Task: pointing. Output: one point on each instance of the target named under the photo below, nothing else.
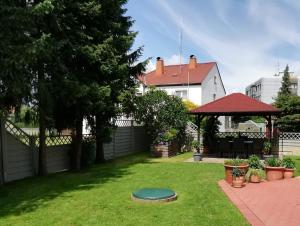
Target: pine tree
(286, 83)
(289, 105)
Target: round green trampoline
(154, 195)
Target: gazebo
(236, 104)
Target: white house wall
(209, 88)
(213, 89)
(193, 92)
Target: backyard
(101, 195)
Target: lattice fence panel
(289, 136)
(56, 140)
(17, 132)
(251, 135)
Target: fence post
(132, 140)
(2, 131)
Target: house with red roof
(200, 83)
(197, 82)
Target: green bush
(256, 172)
(254, 162)
(267, 147)
(236, 172)
(288, 163)
(273, 162)
(236, 162)
(162, 115)
(88, 155)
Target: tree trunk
(42, 144)
(76, 153)
(99, 140)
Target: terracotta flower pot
(288, 173)
(237, 182)
(254, 179)
(228, 171)
(274, 173)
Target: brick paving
(275, 203)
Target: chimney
(159, 66)
(193, 62)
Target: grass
(101, 196)
(297, 161)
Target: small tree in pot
(274, 169)
(237, 175)
(197, 151)
(289, 167)
(230, 164)
(267, 148)
(255, 172)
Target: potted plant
(237, 175)
(230, 164)
(164, 144)
(289, 167)
(267, 148)
(197, 154)
(255, 172)
(274, 169)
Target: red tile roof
(173, 75)
(236, 103)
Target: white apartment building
(266, 89)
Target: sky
(248, 39)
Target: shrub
(236, 162)
(254, 162)
(161, 114)
(273, 162)
(288, 163)
(236, 172)
(267, 147)
(256, 172)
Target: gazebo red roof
(235, 104)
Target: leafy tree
(189, 104)
(161, 113)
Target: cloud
(174, 59)
(150, 66)
(241, 46)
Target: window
(215, 80)
(214, 96)
(181, 93)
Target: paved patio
(274, 203)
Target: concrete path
(207, 160)
(274, 203)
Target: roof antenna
(180, 44)
(278, 65)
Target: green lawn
(297, 160)
(101, 196)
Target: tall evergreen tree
(15, 75)
(289, 105)
(286, 83)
